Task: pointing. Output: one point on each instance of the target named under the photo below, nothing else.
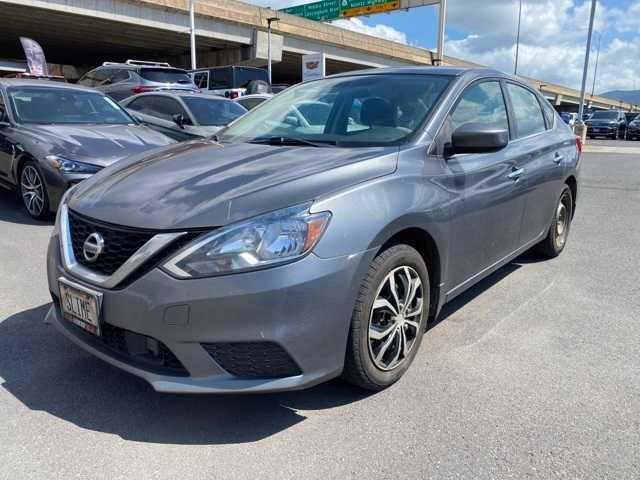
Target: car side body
(466, 214)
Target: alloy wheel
(395, 320)
(32, 191)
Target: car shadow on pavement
(12, 210)
(46, 372)
(479, 288)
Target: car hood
(201, 184)
(97, 144)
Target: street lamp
(595, 73)
(515, 67)
(586, 66)
(269, 21)
(193, 33)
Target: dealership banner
(35, 57)
(313, 66)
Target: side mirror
(478, 138)
(179, 120)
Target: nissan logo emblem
(93, 246)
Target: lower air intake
(253, 359)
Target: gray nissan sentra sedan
(291, 250)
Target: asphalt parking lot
(534, 373)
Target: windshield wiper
(292, 141)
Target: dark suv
(121, 80)
(607, 123)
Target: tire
(368, 363)
(33, 191)
(557, 236)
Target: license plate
(80, 305)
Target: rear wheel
(34, 191)
(558, 232)
(389, 319)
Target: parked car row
(313, 237)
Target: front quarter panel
(367, 215)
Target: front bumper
(304, 307)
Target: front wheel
(389, 319)
(558, 233)
(34, 191)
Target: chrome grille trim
(153, 246)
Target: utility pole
(595, 73)
(441, 26)
(515, 67)
(586, 68)
(269, 21)
(192, 21)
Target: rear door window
(526, 110)
(119, 75)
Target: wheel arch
(426, 245)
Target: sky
(552, 36)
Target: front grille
(119, 243)
(253, 359)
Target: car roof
(178, 94)
(428, 70)
(28, 82)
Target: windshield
(64, 105)
(213, 111)
(361, 110)
(604, 116)
(165, 75)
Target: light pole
(586, 65)
(515, 67)
(441, 27)
(269, 21)
(595, 73)
(192, 21)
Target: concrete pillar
(558, 100)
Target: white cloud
(552, 40)
(377, 30)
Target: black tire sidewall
(558, 250)
(397, 256)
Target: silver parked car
(183, 115)
(289, 254)
(121, 80)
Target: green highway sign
(333, 9)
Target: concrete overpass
(82, 34)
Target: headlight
(71, 166)
(267, 240)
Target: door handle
(516, 174)
(558, 158)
